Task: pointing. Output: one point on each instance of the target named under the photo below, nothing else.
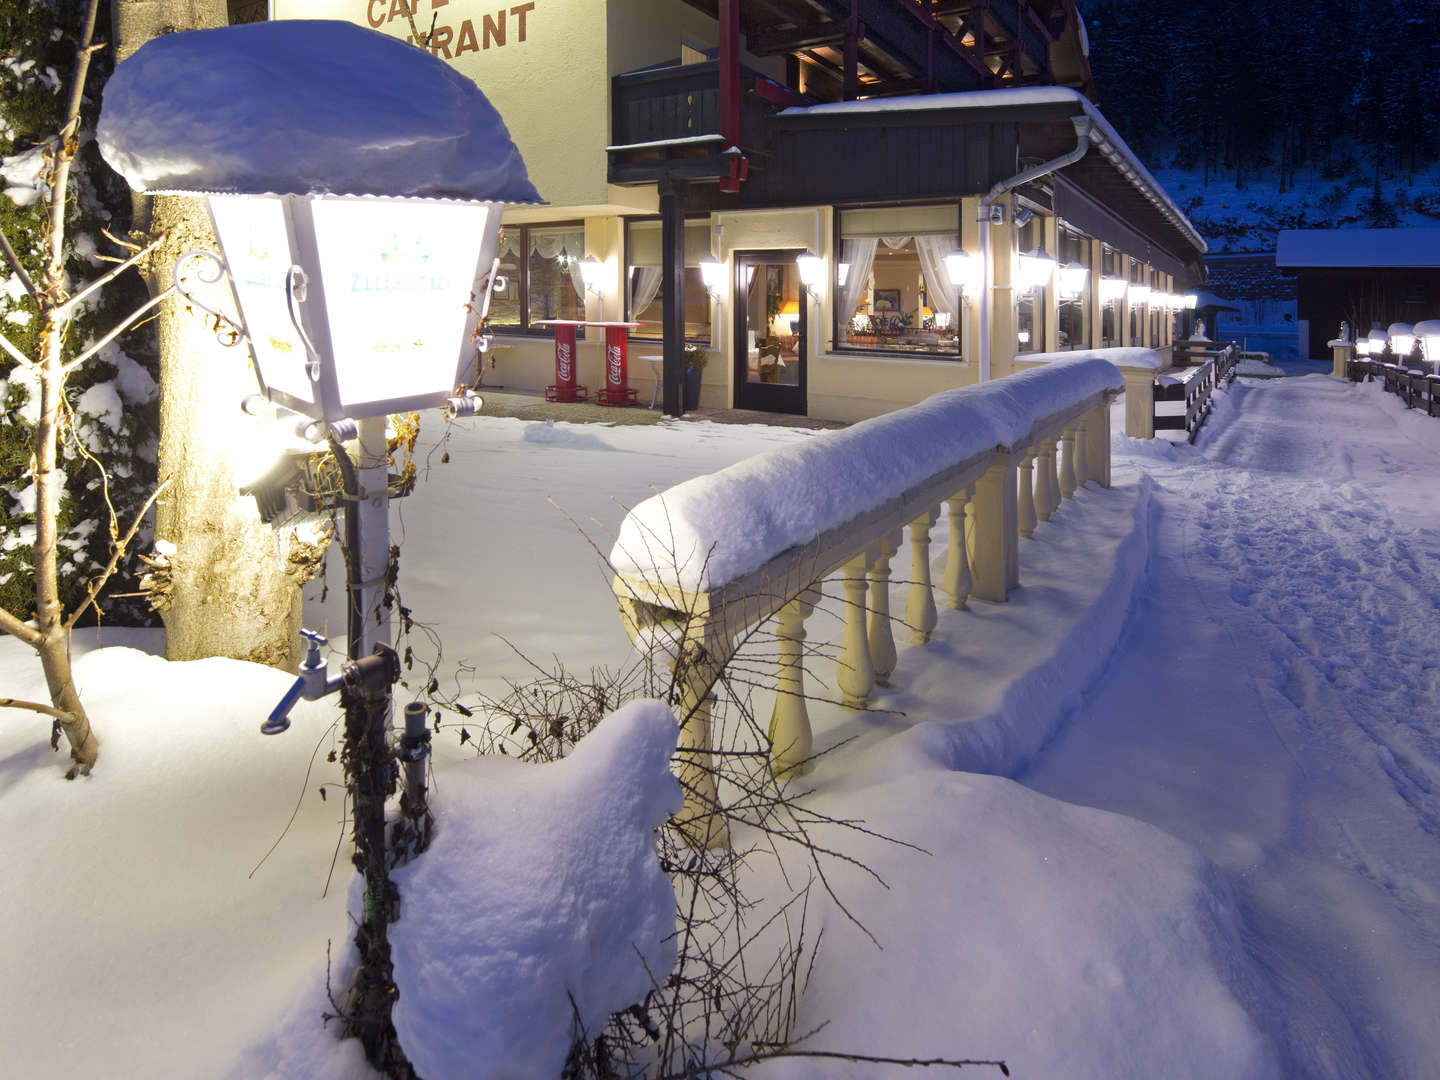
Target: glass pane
(1030, 305)
(556, 289)
(884, 299)
(505, 298)
(772, 315)
(1073, 327)
(645, 291)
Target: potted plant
(695, 358)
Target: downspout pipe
(1083, 126)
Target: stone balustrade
(703, 564)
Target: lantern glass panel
(256, 243)
(398, 278)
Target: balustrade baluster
(882, 641)
(1044, 481)
(1054, 459)
(1027, 494)
(790, 737)
(1067, 468)
(856, 676)
(920, 602)
(1082, 454)
(956, 581)
(702, 661)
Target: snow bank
(300, 107)
(542, 887)
(731, 522)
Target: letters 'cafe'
(785, 183)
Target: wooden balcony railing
(699, 566)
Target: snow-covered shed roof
(301, 107)
(1340, 248)
(1103, 137)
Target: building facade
(680, 140)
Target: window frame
(525, 328)
(634, 333)
(879, 352)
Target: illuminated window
(1074, 280)
(892, 291)
(539, 276)
(644, 288)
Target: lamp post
(359, 238)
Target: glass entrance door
(770, 332)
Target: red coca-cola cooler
(617, 390)
(566, 386)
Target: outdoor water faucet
(314, 682)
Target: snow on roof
(304, 107)
(1104, 137)
(1358, 247)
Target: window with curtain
(539, 276)
(1138, 276)
(1155, 308)
(644, 289)
(1110, 308)
(892, 292)
(1073, 306)
(1030, 304)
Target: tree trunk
(229, 594)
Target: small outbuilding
(1362, 276)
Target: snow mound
(728, 523)
(294, 108)
(542, 886)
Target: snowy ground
(1179, 796)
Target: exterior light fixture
(1112, 289)
(1072, 278)
(592, 272)
(1428, 331)
(356, 306)
(1139, 294)
(812, 273)
(1402, 338)
(1362, 346)
(1190, 300)
(712, 272)
(1037, 269)
(966, 273)
(1378, 340)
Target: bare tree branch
(35, 706)
(63, 311)
(115, 556)
(14, 627)
(15, 354)
(119, 328)
(15, 264)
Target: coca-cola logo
(563, 363)
(614, 373)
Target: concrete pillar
(920, 611)
(1027, 494)
(997, 533)
(1002, 293)
(882, 641)
(855, 676)
(1049, 299)
(791, 741)
(1098, 452)
(1340, 354)
(1082, 451)
(1139, 402)
(956, 581)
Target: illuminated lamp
(966, 272)
(1402, 338)
(712, 272)
(812, 273)
(1037, 269)
(1112, 289)
(1072, 278)
(1428, 331)
(1139, 295)
(1190, 300)
(592, 273)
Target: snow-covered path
(1291, 609)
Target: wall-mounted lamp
(812, 273)
(1072, 278)
(712, 272)
(1189, 300)
(1036, 271)
(592, 272)
(1112, 289)
(966, 273)
(1139, 295)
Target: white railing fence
(703, 564)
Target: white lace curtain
(567, 244)
(943, 295)
(860, 254)
(644, 284)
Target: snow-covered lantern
(966, 272)
(359, 232)
(1402, 338)
(1362, 346)
(1072, 277)
(1378, 340)
(1428, 331)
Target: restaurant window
(892, 291)
(1030, 301)
(1112, 289)
(1073, 282)
(1137, 309)
(1157, 309)
(539, 276)
(644, 287)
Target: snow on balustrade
(702, 564)
(713, 529)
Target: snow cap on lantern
(355, 224)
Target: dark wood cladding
(863, 159)
(667, 103)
